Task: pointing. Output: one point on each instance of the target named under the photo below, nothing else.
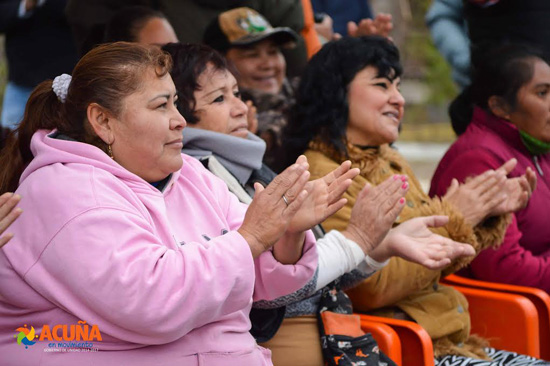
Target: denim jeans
(13, 107)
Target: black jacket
(523, 21)
(38, 47)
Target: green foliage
(437, 72)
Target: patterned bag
(343, 341)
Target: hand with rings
(286, 200)
(324, 196)
(273, 208)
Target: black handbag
(343, 341)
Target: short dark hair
(321, 109)
(126, 23)
(189, 62)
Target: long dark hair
(321, 109)
(105, 75)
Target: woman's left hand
(518, 190)
(8, 213)
(324, 197)
(413, 241)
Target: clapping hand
(477, 198)
(324, 196)
(518, 190)
(272, 209)
(8, 214)
(380, 26)
(375, 211)
(413, 241)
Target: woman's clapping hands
(8, 213)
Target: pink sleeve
(510, 263)
(120, 277)
(274, 279)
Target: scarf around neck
(240, 156)
(535, 146)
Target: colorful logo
(25, 336)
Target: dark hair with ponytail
(106, 76)
(501, 72)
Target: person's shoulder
(477, 138)
(76, 187)
(194, 176)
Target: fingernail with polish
(405, 185)
(401, 200)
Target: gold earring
(110, 152)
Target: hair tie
(60, 86)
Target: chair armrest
(387, 339)
(416, 344)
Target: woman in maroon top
(511, 94)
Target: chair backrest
(416, 344)
(538, 297)
(509, 321)
(387, 339)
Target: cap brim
(283, 36)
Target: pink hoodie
(165, 277)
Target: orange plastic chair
(539, 298)
(387, 339)
(508, 321)
(416, 344)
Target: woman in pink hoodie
(130, 252)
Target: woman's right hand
(8, 214)
(268, 215)
(375, 211)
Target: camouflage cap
(243, 27)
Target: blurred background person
(38, 46)
(140, 24)
(449, 32)
(189, 19)
(254, 47)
